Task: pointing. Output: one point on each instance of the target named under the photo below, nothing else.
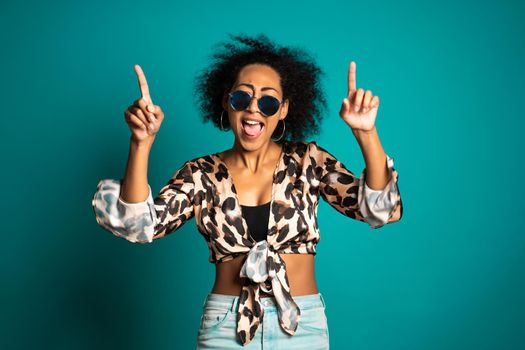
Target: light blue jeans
(219, 320)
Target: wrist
(142, 144)
(364, 134)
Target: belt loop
(232, 306)
(205, 300)
(322, 300)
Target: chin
(252, 145)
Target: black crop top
(257, 219)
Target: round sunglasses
(240, 100)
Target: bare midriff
(299, 267)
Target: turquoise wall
(449, 74)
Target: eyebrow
(262, 89)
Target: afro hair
(300, 80)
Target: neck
(254, 159)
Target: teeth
(252, 122)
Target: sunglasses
(240, 100)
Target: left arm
(359, 111)
(378, 188)
(375, 158)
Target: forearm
(135, 182)
(375, 158)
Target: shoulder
(303, 150)
(306, 149)
(206, 164)
(296, 149)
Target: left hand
(359, 108)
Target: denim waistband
(304, 302)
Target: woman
(256, 203)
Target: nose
(253, 107)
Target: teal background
(449, 74)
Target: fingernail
(150, 108)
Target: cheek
(273, 124)
(234, 120)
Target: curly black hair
(300, 80)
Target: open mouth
(252, 128)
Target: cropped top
(203, 188)
(256, 218)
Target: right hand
(143, 117)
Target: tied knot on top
(260, 264)
(264, 267)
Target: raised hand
(143, 117)
(359, 108)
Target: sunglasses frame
(258, 100)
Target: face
(257, 80)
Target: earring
(222, 127)
(284, 128)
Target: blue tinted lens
(269, 105)
(240, 100)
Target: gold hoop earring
(284, 128)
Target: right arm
(135, 183)
(126, 207)
(144, 120)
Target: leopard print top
(203, 188)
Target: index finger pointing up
(143, 84)
(351, 78)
